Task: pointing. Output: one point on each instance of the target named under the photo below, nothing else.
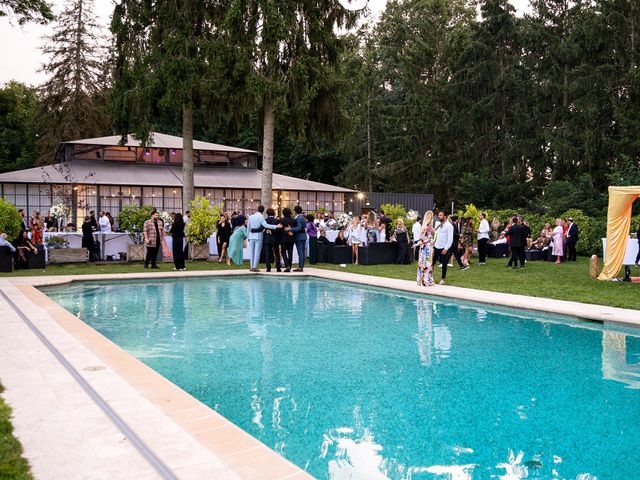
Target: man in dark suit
(300, 236)
(271, 241)
(455, 247)
(517, 239)
(386, 221)
(572, 240)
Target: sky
(20, 46)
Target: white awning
(111, 173)
(157, 140)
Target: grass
(569, 281)
(12, 465)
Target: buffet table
(112, 244)
(630, 254)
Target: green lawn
(569, 281)
(12, 465)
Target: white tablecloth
(111, 244)
(333, 234)
(629, 256)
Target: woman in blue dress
(235, 252)
(425, 259)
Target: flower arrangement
(166, 219)
(55, 242)
(412, 216)
(343, 221)
(59, 210)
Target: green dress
(236, 245)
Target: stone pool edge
(578, 310)
(238, 450)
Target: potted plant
(60, 253)
(202, 223)
(131, 220)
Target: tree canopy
(24, 11)
(464, 99)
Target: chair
(6, 259)
(37, 260)
(533, 255)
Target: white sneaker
(441, 282)
(449, 264)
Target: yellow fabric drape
(618, 222)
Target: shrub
(536, 223)
(131, 219)
(394, 212)
(10, 220)
(589, 241)
(471, 211)
(202, 220)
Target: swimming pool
(355, 382)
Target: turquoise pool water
(351, 382)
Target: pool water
(354, 382)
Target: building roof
(157, 140)
(107, 173)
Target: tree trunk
(369, 168)
(266, 197)
(187, 156)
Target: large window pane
(308, 201)
(131, 196)
(87, 200)
(233, 201)
(251, 201)
(110, 199)
(173, 200)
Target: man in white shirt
(104, 223)
(416, 231)
(483, 238)
(442, 244)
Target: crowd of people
(435, 240)
(449, 236)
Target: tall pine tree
(73, 98)
(293, 48)
(171, 56)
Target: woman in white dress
(558, 241)
(354, 238)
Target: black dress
(341, 242)
(177, 236)
(223, 235)
(403, 246)
(87, 240)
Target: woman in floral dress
(468, 234)
(425, 259)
